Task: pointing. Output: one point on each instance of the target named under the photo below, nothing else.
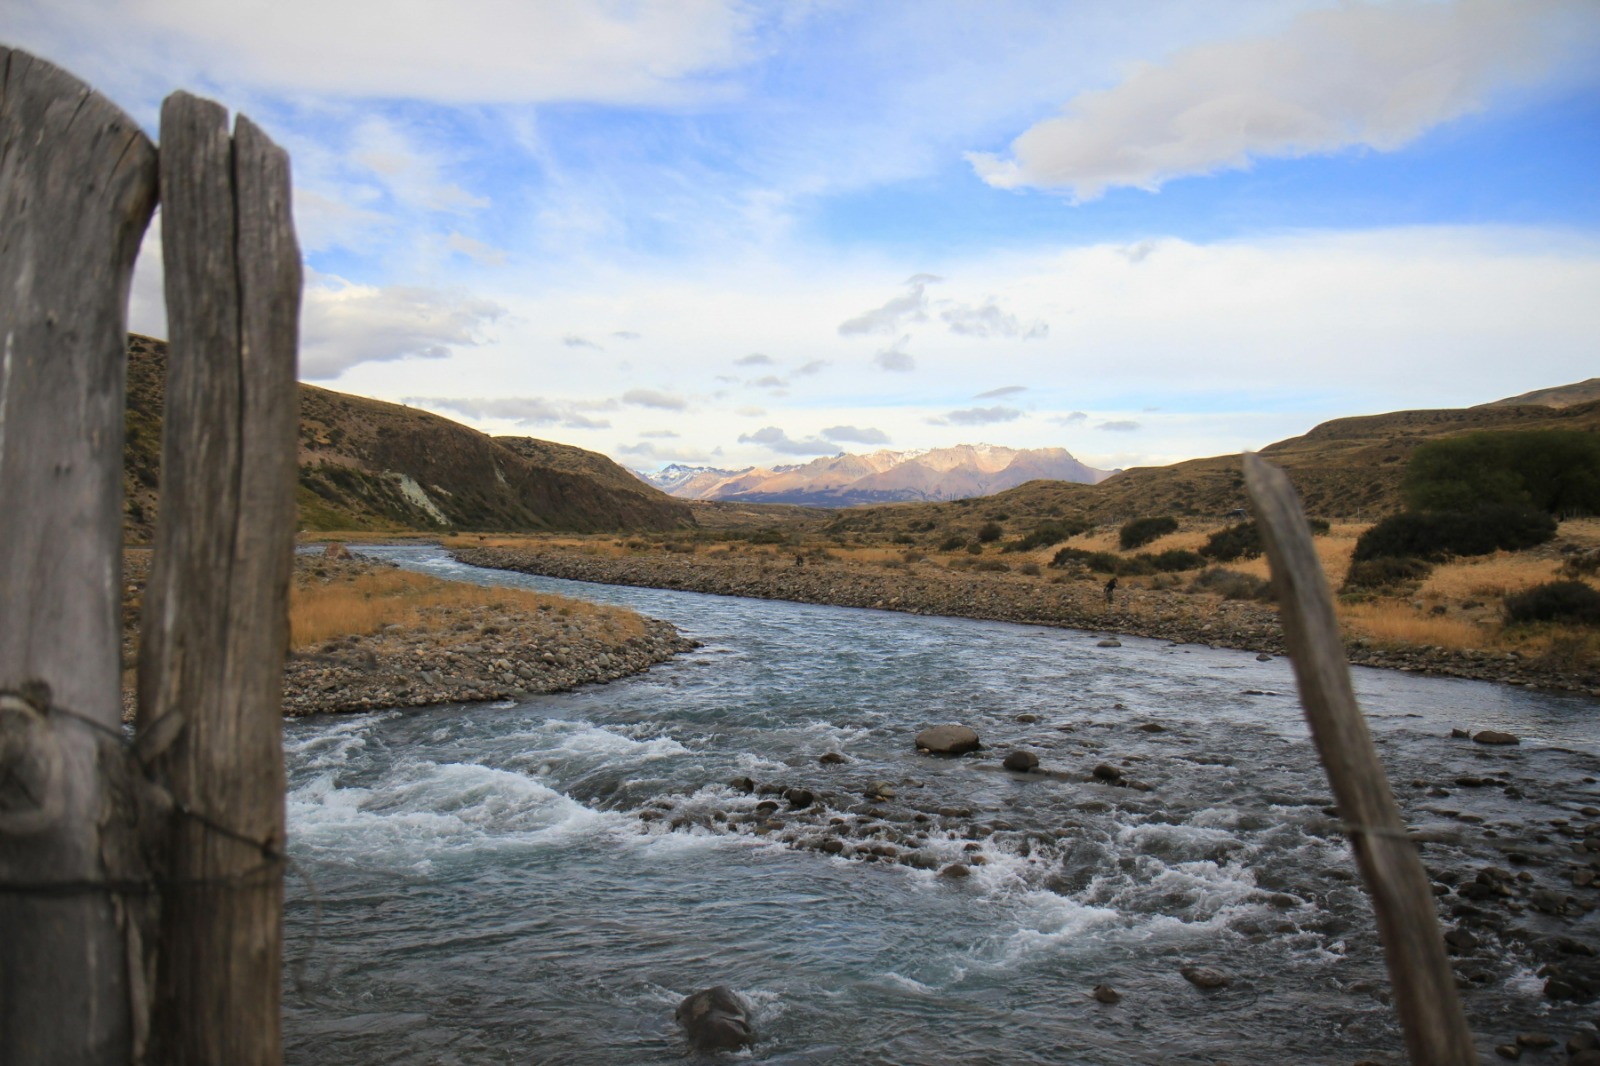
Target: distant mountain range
(957, 473)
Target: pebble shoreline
(929, 589)
(467, 654)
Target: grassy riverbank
(1449, 623)
(365, 635)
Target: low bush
(992, 566)
(1030, 569)
(974, 548)
(1175, 559)
(1437, 535)
(1557, 601)
(1242, 541)
(1138, 532)
(1386, 572)
(952, 544)
(1231, 585)
(1552, 470)
(989, 532)
(1047, 535)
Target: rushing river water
(477, 884)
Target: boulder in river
(948, 740)
(1106, 994)
(716, 1019)
(1494, 736)
(1021, 761)
(1205, 977)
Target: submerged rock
(716, 1019)
(948, 740)
(1021, 761)
(1494, 736)
(1205, 977)
(1106, 994)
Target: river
(504, 883)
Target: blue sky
(740, 233)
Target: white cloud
(625, 335)
(855, 435)
(572, 340)
(909, 306)
(987, 320)
(895, 357)
(486, 254)
(481, 51)
(771, 381)
(1120, 425)
(754, 359)
(413, 175)
(810, 367)
(1071, 418)
(523, 410)
(659, 434)
(666, 454)
(983, 416)
(664, 401)
(1004, 390)
(1359, 74)
(776, 439)
(343, 324)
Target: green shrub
(1030, 569)
(952, 544)
(1138, 532)
(1231, 584)
(902, 538)
(1174, 559)
(1558, 601)
(1386, 572)
(1437, 535)
(989, 532)
(1047, 535)
(992, 566)
(974, 548)
(1556, 471)
(1242, 541)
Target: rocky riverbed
(1008, 597)
(453, 654)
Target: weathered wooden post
(216, 608)
(1436, 1031)
(77, 186)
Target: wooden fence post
(215, 626)
(1436, 1032)
(77, 186)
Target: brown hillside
(1560, 396)
(1348, 468)
(367, 464)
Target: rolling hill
(370, 465)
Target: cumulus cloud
(1071, 418)
(1357, 74)
(753, 359)
(909, 306)
(664, 454)
(771, 381)
(1004, 390)
(987, 320)
(524, 410)
(1120, 425)
(343, 323)
(895, 357)
(779, 441)
(572, 340)
(810, 367)
(983, 416)
(658, 434)
(855, 435)
(664, 401)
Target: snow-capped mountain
(880, 477)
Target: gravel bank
(461, 654)
(928, 588)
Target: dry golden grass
(1393, 622)
(1488, 576)
(365, 604)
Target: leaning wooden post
(77, 186)
(1436, 1032)
(216, 622)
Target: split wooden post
(1436, 1032)
(77, 187)
(215, 626)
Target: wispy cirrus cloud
(664, 401)
(1004, 390)
(909, 306)
(523, 410)
(981, 416)
(343, 324)
(1120, 425)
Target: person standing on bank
(1111, 588)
